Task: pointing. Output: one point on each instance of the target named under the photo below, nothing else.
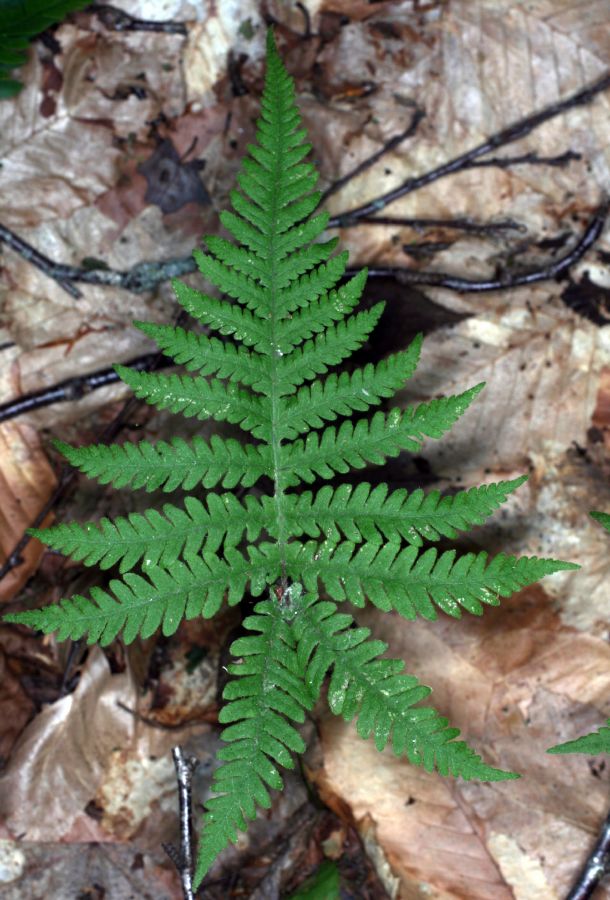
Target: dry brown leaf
(60, 759)
(512, 682)
(93, 871)
(26, 483)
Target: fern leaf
(20, 22)
(594, 743)
(233, 283)
(377, 693)
(341, 394)
(327, 349)
(320, 314)
(209, 355)
(603, 519)
(201, 399)
(374, 440)
(160, 540)
(139, 606)
(225, 318)
(368, 514)
(312, 285)
(171, 465)
(268, 689)
(414, 584)
(283, 321)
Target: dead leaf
(26, 483)
(61, 757)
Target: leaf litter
(525, 676)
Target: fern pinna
(289, 325)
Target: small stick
(394, 141)
(458, 224)
(596, 867)
(508, 135)
(467, 285)
(183, 858)
(75, 388)
(117, 20)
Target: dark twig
(25, 250)
(74, 388)
(508, 135)
(143, 277)
(183, 858)
(389, 145)
(508, 280)
(117, 20)
(596, 867)
(529, 159)
(458, 224)
(307, 34)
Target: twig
(183, 858)
(529, 159)
(596, 867)
(117, 20)
(459, 224)
(25, 250)
(142, 277)
(508, 135)
(394, 141)
(308, 33)
(508, 280)
(75, 388)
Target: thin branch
(530, 159)
(183, 858)
(42, 262)
(459, 224)
(508, 280)
(596, 867)
(142, 277)
(508, 135)
(389, 145)
(75, 388)
(117, 20)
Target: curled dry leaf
(61, 757)
(26, 483)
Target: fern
(20, 21)
(284, 324)
(597, 741)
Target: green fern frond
(282, 323)
(172, 465)
(139, 605)
(344, 393)
(603, 519)
(20, 21)
(327, 349)
(160, 540)
(369, 440)
(201, 399)
(268, 688)
(412, 583)
(367, 514)
(377, 693)
(209, 355)
(594, 743)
